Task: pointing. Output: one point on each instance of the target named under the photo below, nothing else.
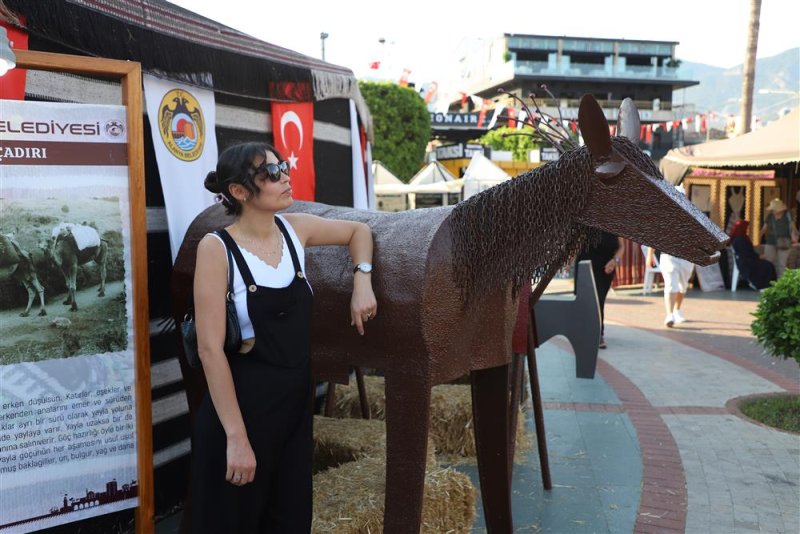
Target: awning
(775, 144)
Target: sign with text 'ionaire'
(67, 411)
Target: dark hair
(235, 166)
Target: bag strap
(229, 294)
(244, 270)
(295, 261)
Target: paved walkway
(654, 443)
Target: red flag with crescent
(293, 135)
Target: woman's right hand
(241, 461)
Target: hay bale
(349, 499)
(451, 416)
(338, 441)
(347, 399)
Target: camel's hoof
(24, 314)
(43, 312)
(101, 294)
(73, 308)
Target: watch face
(364, 267)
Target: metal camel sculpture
(446, 280)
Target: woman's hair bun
(212, 182)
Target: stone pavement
(655, 443)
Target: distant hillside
(720, 89)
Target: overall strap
(292, 250)
(244, 270)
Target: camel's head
(630, 198)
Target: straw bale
(347, 399)
(349, 499)
(338, 441)
(451, 415)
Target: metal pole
(322, 37)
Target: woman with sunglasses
(252, 446)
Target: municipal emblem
(114, 128)
(181, 125)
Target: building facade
(609, 69)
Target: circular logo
(114, 128)
(181, 125)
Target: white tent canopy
(481, 174)
(434, 179)
(432, 173)
(383, 175)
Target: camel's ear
(628, 124)
(594, 127)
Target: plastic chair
(649, 273)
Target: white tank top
(264, 275)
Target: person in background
(676, 273)
(605, 256)
(252, 445)
(780, 234)
(758, 271)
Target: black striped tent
(247, 75)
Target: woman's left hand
(610, 266)
(363, 306)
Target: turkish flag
(12, 84)
(293, 135)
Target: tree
(402, 126)
(750, 65)
(519, 142)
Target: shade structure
(775, 144)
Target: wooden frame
(130, 75)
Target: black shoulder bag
(233, 332)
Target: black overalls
(273, 387)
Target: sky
(422, 35)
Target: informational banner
(67, 380)
(182, 121)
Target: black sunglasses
(272, 170)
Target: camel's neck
(522, 228)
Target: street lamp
(322, 37)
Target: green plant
(519, 142)
(778, 411)
(777, 317)
(402, 126)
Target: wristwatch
(364, 267)
(617, 259)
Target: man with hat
(778, 234)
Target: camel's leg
(101, 260)
(40, 291)
(31, 294)
(408, 405)
(72, 283)
(490, 413)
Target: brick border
(664, 499)
(732, 406)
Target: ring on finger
(369, 316)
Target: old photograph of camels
(62, 278)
